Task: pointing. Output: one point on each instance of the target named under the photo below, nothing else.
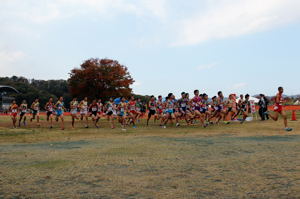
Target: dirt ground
(251, 160)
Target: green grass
(50, 164)
(253, 160)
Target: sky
(237, 46)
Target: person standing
(263, 107)
(266, 107)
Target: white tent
(256, 100)
(297, 102)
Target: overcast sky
(238, 46)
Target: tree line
(95, 78)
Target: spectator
(263, 107)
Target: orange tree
(100, 78)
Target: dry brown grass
(253, 160)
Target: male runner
(278, 109)
(23, 111)
(49, 111)
(13, 109)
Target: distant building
(5, 97)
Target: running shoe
(288, 129)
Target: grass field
(252, 160)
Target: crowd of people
(128, 112)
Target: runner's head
(187, 96)
(85, 99)
(204, 96)
(183, 94)
(280, 89)
(171, 96)
(242, 96)
(123, 99)
(152, 98)
(94, 102)
(74, 99)
(247, 97)
(132, 98)
(214, 98)
(61, 99)
(220, 94)
(14, 102)
(196, 92)
(24, 102)
(36, 100)
(160, 97)
(50, 99)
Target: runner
(13, 109)
(221, 107)
(160, 108)
(74, 111)
(59, 106)
(182, 107)
(111, 112)
(239, 106)
(169, 111)
(214, 109)
(205, 109)
(151, 109)
(122, 113)
(49, 111)
(93, 109)
(132, 111)
(231, 108)
(100, 110)
(245, 108)
(35, 107)
(84, 114)
(139, 106)
(278, 109)
(23, 112)
(189, 112)
(197, 102)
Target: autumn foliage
(100, 78)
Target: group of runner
(162, 110)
